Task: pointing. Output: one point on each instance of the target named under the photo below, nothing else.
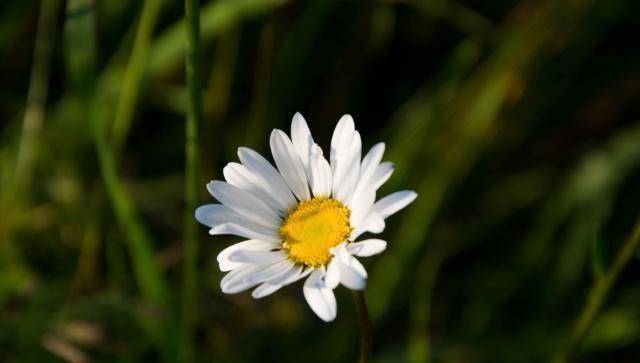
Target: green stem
(37, 96)
(192, 182)
(366, 331)
(145, 268)
(147, 273)
(134, 76)
(598, 294)
(11, 193)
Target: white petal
(290, 273)
(289, 164)
(273, 271)
(367, 169)
(265, 289)
(347, 169)
(320, 177)
(353, 276)
(300, 272)
(341, 134)
(394, 202)
(250, 245)
(269, 177)
(352, 273)
(244, 203)
(236, 280)
(373, 223)
(304, 272)
(301, 139)
(238, 175)
(372, 159)
(332, 278)
(361, 205)
(257, 256)
(242, 231)
(320, 298)
(381, 174)
(366, 248)
(212, 215)
(275, 284)
(341, 143)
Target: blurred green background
(518, 123)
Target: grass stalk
(192, 174)
(146, 271)
(217, 17)
(468, 131)
(134, 75)
(20, 180)
(598, 295)
(80, 36)
(80, 53)
(38, 90)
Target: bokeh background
(518, 123)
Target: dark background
(517, 122)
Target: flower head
(303, 217)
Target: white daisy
(303, 218)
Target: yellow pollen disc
(312, 228)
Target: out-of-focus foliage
(518, 123)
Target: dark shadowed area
(517, 122)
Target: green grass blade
(217, 16)
(38, 91)
(598, 294)
(193, 62)
(133, 75)
(80, 36)
(467, 131)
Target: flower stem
(366, 332)
(598, 294)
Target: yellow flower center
(314, 227)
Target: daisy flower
(302, 219)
